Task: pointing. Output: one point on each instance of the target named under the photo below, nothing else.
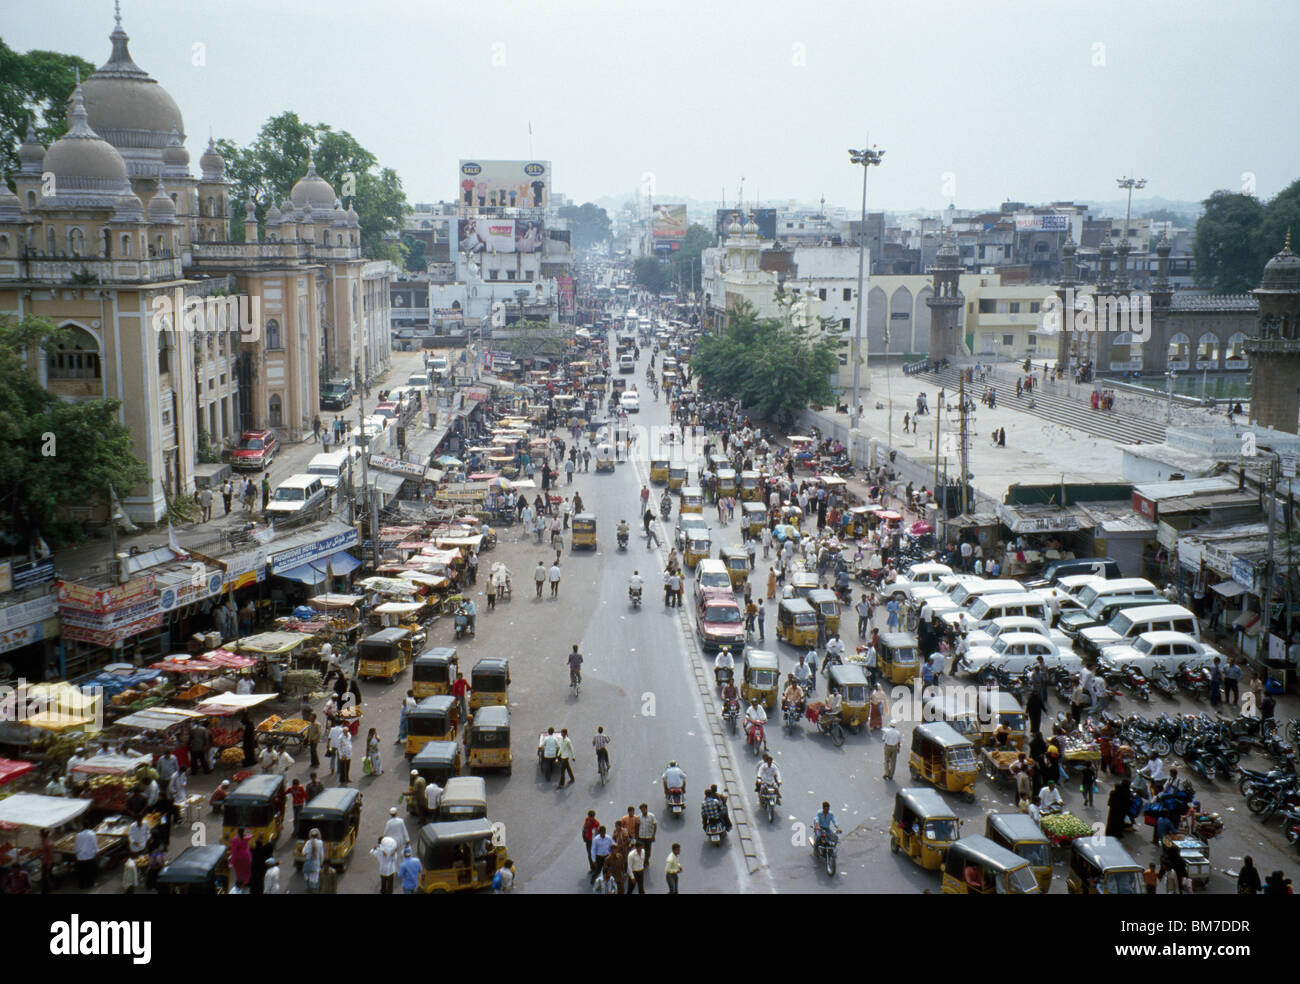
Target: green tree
(1229, 257)
(55, 454)
(589, 223)
(34, 87)
(416, 261)
(1281, 215)
(686, 261)
(267, 169)
(775, 369)
(651, 274)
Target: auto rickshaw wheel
(893, 844)
(509, 769)
(970, 795)
(915, 775)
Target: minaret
(1161, 290)
(250, 222)
(945, 303)
(1275, 354)
(1065, 295)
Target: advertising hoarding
(668, 222)
(504, 184)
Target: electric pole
(964, 438)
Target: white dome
(312, 189)
(87, 169)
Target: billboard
(764, 218)
(504, 184)
(668, 222)
(499, 235)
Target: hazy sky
(1032, 100)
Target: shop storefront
(311, 563)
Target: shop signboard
(287, 560)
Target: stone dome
(162, 210)
(354, 220)
(273, 215)
(130, 109)
(175, 155)
(84, 165)
(11, 209)
(1282, 272)
(312, 189)
(212, 163)
(340, 219)
(735, 228)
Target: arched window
(338, 239)
(1179, 353)
(164, 352)
(31, 200)
(75, 357)
(273, 334)
(1207, 350)
(1235, 351)
(275, 411)
(106, 242)
(1268, 326)
(126, 244)
(211, 207)
(76, 241)
(50, 241)
(1123, 352)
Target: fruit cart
(159, 730)
(108, 779)
(22, 818)
(225, 712)
(997, 765)
(282, 734)
(1063, 828)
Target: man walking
(200, 742)
(205, 505)
(565, 755)
(266, 492)
(539, 577)
(863, 608)
(760, 618)
(555, 579)
(646, 826)
(673, 868)
(636, 870)
(227, 493)
(315, 428)
(891, 739)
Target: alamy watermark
(203, 315)
(26, 702)
(1099, 312)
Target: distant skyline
(974, 103)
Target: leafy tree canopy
(589, 223)
(55, 454)
(686, 261)
(773, 368)
(651, 274)
(268, 168)
(1238, 234)
(34, 87)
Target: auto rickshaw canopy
(194, 866)
(437, 761)
(923, 803)
(799, 611)
(490, 673)
(440, 843)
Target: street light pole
(866, 158)
(1169, 396)
(1129, 184)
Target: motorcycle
(1252, 778)
(634, 596)
(622, 539)
(1292, 822)
(790, 715)
(756, 738)
(464, 622)
(767, 795)
(825, 845)
(675, 801)
(1162, 682)
(665, 507)
(731, 714)
(1265, 803)
(722, 676)
(1137, 684)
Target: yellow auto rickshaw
(1099, 866)
(385, 654)
(698, 547)
(489, 683)
(692, 500)
(804, 584)
(487, 741)
(897, 657)
(975, 865)
(796, 623)
(658, 470)
(432, 719)
(437, 762)
(737, 560)
(584, 531)
(605, 457)
(1018, 833)
(676, 477)
(943, 757)
(827, 607)
(855, 707)
(997, 707)
(336, 813)
(923, 827)
(956, 707)
(857, 523)
(754, 517)
(717, 462)
(460, 855)
(761, 677)
(433, 672)
(463, 798)
(751, 488)
(726, 481)
(257, 805)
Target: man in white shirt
(636, 870)
(723, 661)
(891, 739)
(137, 837)
(432, 798)
(345, 755)
(966, 552)
(555, 580)
(768, 772)
(1154, 773)
(271, 880)
(85, 849)
(755, 716)
(387, 854)
(396, 828)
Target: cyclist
(600, 742)
(575, 667)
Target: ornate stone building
(945, 303)
(1275, 354)
(108, 222)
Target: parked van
(1102, 611)
(1119, 586)
(966, 595)
(1102, 567)
(296, 495)
(333, 467)
(1004, 603)
(420, 379)
(1129, 623)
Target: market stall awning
(1229, 589)
(341, 563)
(398, 608)
(335, 600)
(419, 577)
(112, 765)
(46, 812)
(11, 769)
(157, 718)
(238, 701)
(271, 643)
(388, 484)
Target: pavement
(641, 678)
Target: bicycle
(602, 766)
(575, 682)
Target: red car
(720, 621)
(256, 450)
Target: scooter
(731, 714)
(464, 623)
(622, 539)
(1137, 684)
(675, 801)
(791, 717)
(665, 507)
(715, 830)
(634, 596)
(1162, 682)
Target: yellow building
(1005, 322)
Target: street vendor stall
(225, 713)
(22, 818)
(108, 779)
(159, 730)
(287, 648)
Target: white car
(1016, 652)
(1168, 650)
(927, 574)
(630, 402)
(943, 601)
(1015, 623)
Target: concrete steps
(1114, 425)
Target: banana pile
(1064, 825)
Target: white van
(296, 495)
(630, 402)
(626, 363)
(1001, 604)
(1118, 586)
(333, 466)
(420, 379)
(966, 595)
(1130, 623)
